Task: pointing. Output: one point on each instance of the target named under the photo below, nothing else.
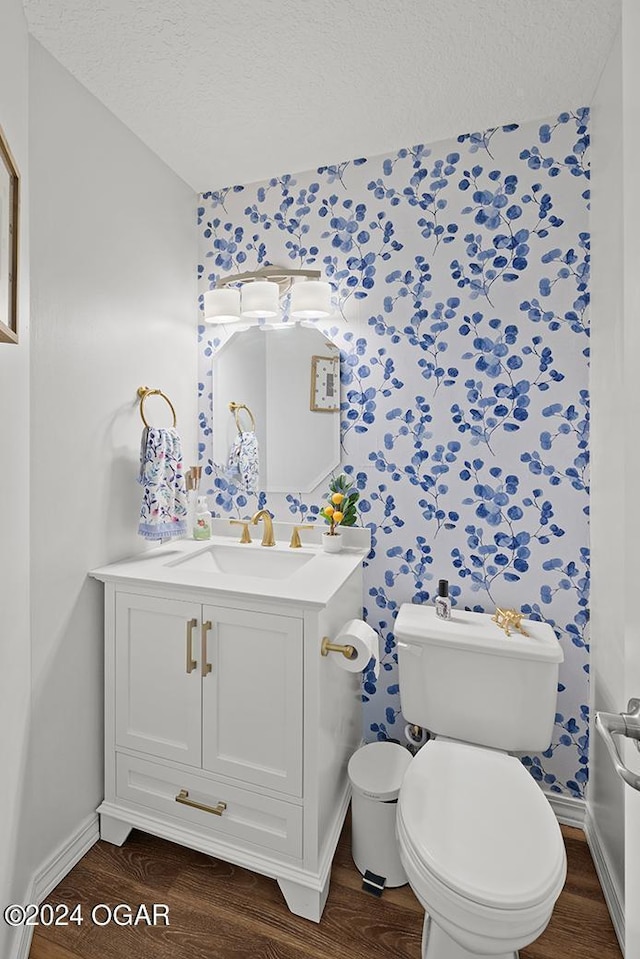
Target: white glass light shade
(222, 306)
(311, 299)
(260, 298)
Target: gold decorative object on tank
(509, 619)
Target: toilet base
(436, 944)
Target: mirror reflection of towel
(244, 462)
(163, 513)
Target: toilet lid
(478, 821)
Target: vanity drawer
(242, 815)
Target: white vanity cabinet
(211, 687)
(225, 729)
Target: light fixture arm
(283, 276)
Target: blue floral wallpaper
(460, 272)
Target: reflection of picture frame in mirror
(9, 181)
(325, 384)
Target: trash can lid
(377, 770)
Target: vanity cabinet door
(158, 682)
(252, 698)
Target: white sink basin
(265, 562)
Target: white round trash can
(376, 772)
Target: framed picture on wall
(325, 384)
(9, 196)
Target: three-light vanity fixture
(256, 295)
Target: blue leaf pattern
(461, 275)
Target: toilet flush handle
(412, 648)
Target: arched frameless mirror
(289, 378)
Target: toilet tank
(465, 679)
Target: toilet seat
(480, 844)
(481, 824)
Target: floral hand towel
(164, 500)
(244, 460)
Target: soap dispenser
(202, 524)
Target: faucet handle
(296, 542)
(245, 538)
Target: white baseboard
(54, 870)
(611, 894)
(569, 811)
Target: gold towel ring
(235, 408)
(143, 392)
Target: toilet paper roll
(365, 642)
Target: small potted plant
(339, 511)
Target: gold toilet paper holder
(349, 652)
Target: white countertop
(313, 584)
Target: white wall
(14, 491)
(631, 414)
(609, 521)
(113, 308)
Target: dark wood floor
(219, 911)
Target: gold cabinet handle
(183, 797)
(191, 662)
(206, 667)
(245, 537)
(296, 542)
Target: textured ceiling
(233, 91)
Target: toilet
(478, 840)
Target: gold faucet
(265, 516)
